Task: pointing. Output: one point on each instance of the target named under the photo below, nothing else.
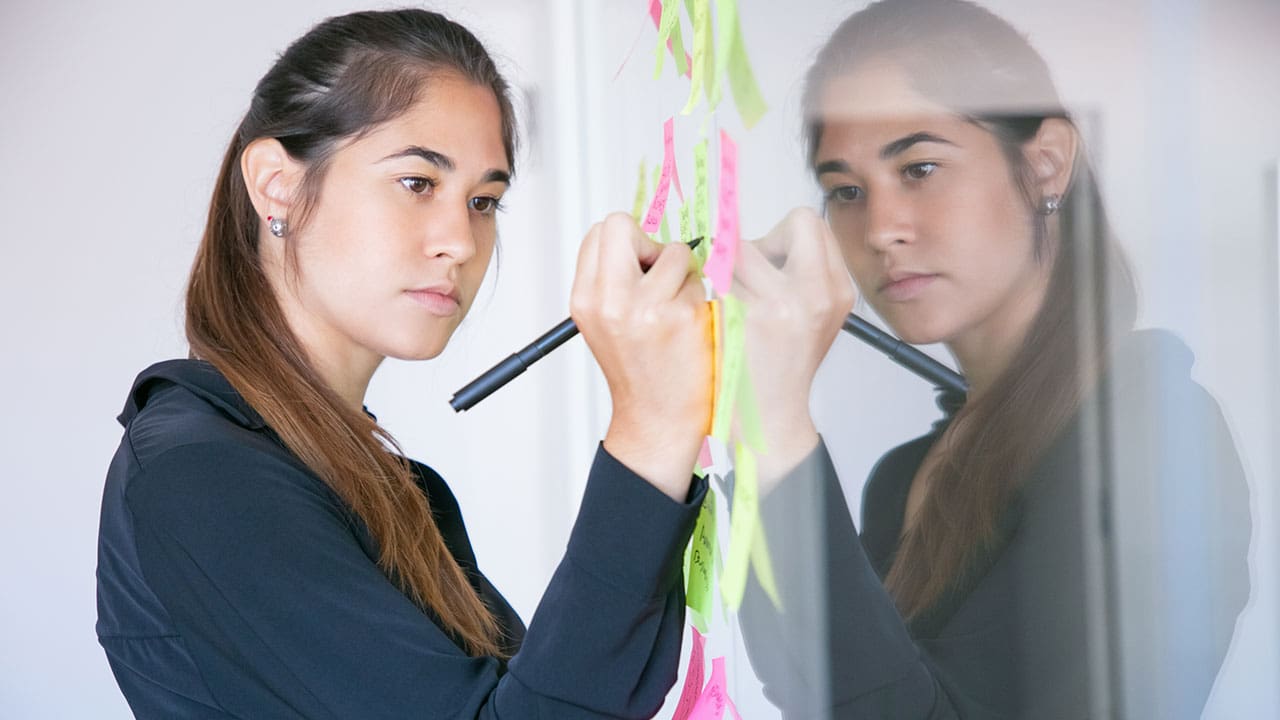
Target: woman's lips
(906, 288)
(436, 302)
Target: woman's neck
(985, 350)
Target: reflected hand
(798, 292)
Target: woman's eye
(417, 185)
(485, 204)
(844, 194)
(920, 171)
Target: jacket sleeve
(839, 647)
(287, 617)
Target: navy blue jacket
(1009, 639)
(233, 583)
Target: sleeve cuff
(630, 534)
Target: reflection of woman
(262, 553)
(957, 193)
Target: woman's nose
(889, 220)
(450, 233)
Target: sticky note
(700, 574)
(637, 206)
(746, 94)
(762, 564)
(701, 202)
(749, 413)
(702, 71)
(724, 251)
(732, 357)
(726, 20)
(715, 696)
(744, 518)
(657, 9)
(658, 206)
(717, 351)
(693, 677)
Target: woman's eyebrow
(831, 166)
(901, 144)
(440, 160)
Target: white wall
(116, 117)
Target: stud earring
(1050, 204)
(277, 226)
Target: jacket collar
(201, 379)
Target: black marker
(906, 355)
(511, 368)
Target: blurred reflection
(1010, 561)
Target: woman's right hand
(650, 333)
(797, 293)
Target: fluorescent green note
(732, 361)
(700, 568)
(744, 519)
(637, 207)
(703, 72)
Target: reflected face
(400, 238)
(929, 218)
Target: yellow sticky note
(637, 207)
(700, 568)
(703, 72)
(744, 519)
(701, 202)
(732, 361)
(763, 566)
(717, 351)
(670, 19)
(746, 94)
(749, 413)
(726, 20)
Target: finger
(624, 250)
(806, 253)
(667, 274)
(754, 273)
(780, 240)
(584, 277)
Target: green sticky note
(732, 361)
(726, 20)
(677, 47)
(700, 568)
(670, 19)
(686, 232)
(701, 198)
(703, 72)
(749, 413)
(664, 230)
(746, 94)
(763, 567)
(637, 207)
(744, 520)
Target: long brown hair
(975, 63)
(340, 80)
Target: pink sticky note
(658, 206)
(655, 12)
(692, 677)
(724, 251)
(714, 697)
(704, 455)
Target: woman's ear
(271, 176)
(1051, 155)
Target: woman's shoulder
(189, 437)
(182, 403)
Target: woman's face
(933, 227)
(403, 230)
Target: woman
(961, 201)
(262, 552)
